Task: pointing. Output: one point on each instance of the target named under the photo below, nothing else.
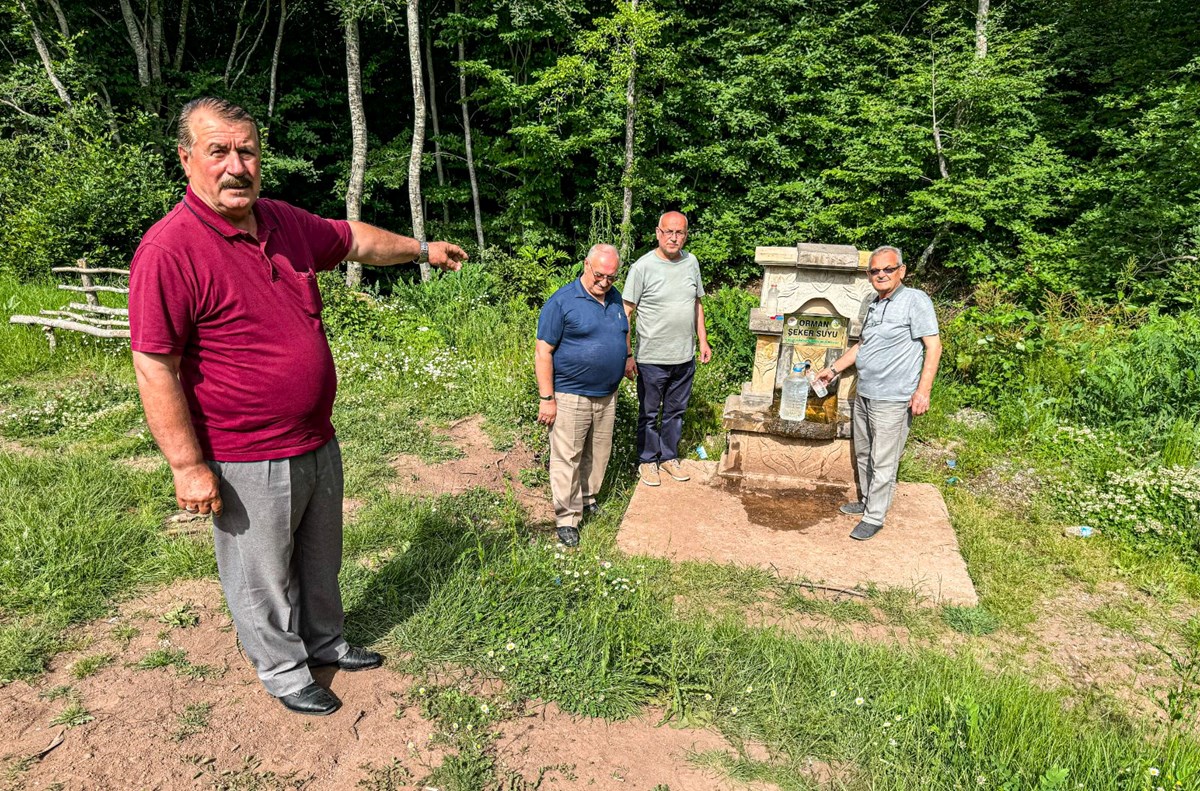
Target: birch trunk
(154, 39)
(433, 114)
(183, 19)
(138, 43)
(266, 6)
(627, 175)
(61, 17)
(466, 114)
(981, 17)
(238, 35)
(275, 57)
(358, 133)
(44, 54)
(418, 141)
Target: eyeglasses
(673, 234)
(603, 278)
(885, 271)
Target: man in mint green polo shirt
(664, 290)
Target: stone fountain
(772, 499)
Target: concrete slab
(794, 528)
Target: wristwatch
(547, 398)
(423, 258)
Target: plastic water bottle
(771, 306)
(1079, 531)
(818, 388)
(794, 400)
(701, 452)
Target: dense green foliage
(1063, 158)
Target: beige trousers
(580, 444)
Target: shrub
(70, 191)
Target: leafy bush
(70, 191)
(727, 316)
(532, 274)
(1156, 507)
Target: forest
(1037, 146)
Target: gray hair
(223, 109)
(602, 248)
(887, 248)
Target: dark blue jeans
(662, 390)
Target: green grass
(461, 581)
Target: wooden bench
(90, 316)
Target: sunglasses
(885, 271)
(602, 278)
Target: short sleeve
(328, 240)
(699, 279)
(923, 321)
(550, 323)
(162, 302)
(634, 283)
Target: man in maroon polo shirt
(237, 381)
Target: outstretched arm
(377, 247)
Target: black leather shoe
(313, 699)
(359, 659)
(568, 535)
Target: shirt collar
(206, 215)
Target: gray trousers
(580, 445)
(879, 430)
(279, 549)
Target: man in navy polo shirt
(238, 382)
(581, 354)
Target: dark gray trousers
(279, 549)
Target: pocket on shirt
(310, 293)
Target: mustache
(236, 182)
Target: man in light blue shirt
(897, 360)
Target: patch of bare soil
(164, 728)
(568, 753)
(481, 465)
(147, 463)
(1068, 644)
(16, 448)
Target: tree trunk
(466, 114)
(358, 134)
(44, 54)
(981, 17)
(61, 17)
(183, 16)
(154, 36)
(238, 35)
(266, 6)
(627, 175)
(138, 43)
(433, 114)
(275, 57)
(418, 141)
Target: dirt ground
(138, 736)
